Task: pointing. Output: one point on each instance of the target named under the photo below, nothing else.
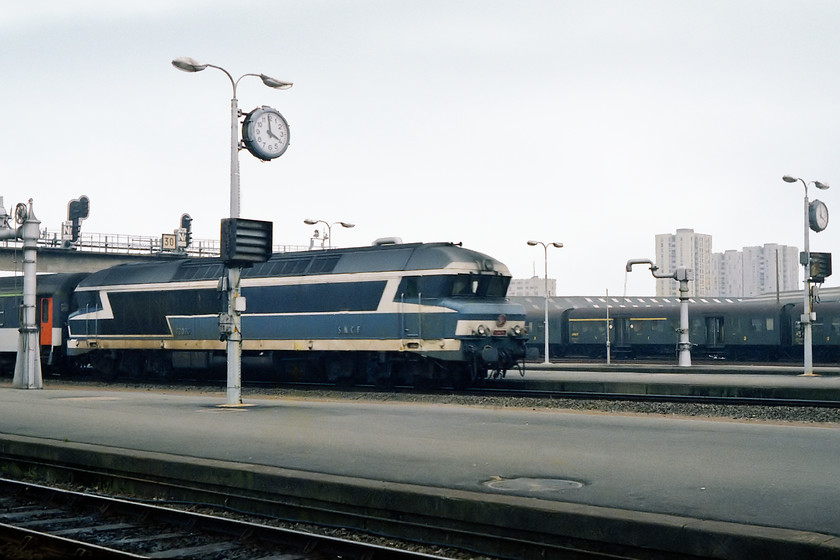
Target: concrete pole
(684, 344)
(683, 276)
(807, 343)
(234, 340)
(28, 364)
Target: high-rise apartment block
(758, 270)
(751, 272)
(534, 286)
(685, 249)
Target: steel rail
(651, 397)
(85, 513)
(474, 540)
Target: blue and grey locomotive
(394, 313)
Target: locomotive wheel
(160, 367)
(376, 371)
(462, 377)
(339, 369)
(132, 365)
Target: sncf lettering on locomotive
(349, 329)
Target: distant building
(534, 286)
(685, 249)
(758, 271)
(754, 271)
(750, 272)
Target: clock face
(818, 215)
(265, 133)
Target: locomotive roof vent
(388, 241)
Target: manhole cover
(532, 484)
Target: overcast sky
(598, 124)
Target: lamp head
(310, 222)
(533, 243)
(821, 186)
(557, 244)
(274, 82)
(188, 64)
(347, 224)
(789, 179)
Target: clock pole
(808, 316)
(231, 320)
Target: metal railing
(133, 244)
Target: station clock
(265, 133)
(818, 215)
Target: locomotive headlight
(481, 330)
(517, 330)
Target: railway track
(653, 397)
(548, 390)
(42, 522)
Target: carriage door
(714, 332)
(622, 332)
(46, 320)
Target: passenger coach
(53, 300)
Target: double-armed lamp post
(234, 339)
(311, 222)
(545, 247)
(188, 64)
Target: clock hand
(268, 129)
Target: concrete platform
(756, 382)
(715, 489)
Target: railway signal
(186, 225)
(77, 210)
(245, 242)
(820, 267)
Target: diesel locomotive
(420, 313)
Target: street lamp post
(234, 340)
(807, 316)
(312, 222)
(545, 326)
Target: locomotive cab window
(458, 286)
(86, 301)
